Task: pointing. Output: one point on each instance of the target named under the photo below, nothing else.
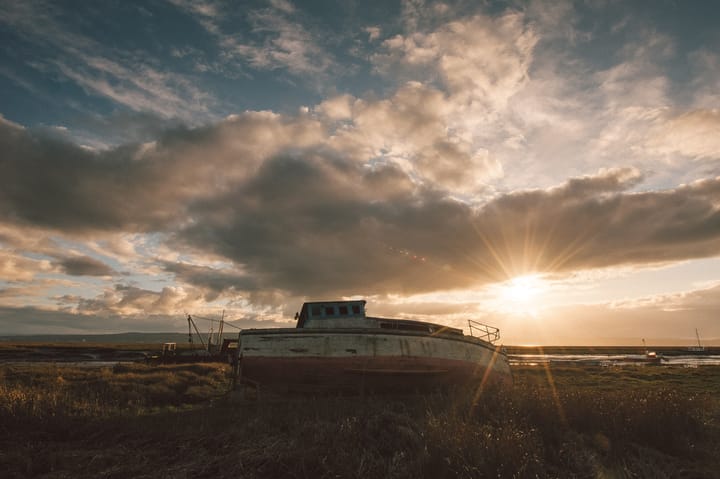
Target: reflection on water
(611, 360)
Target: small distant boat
(214, 348)
(699, 349)
(336, 346)
(652, 357)
(648, 357)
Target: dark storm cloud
(585, 227)
(300, 217)
(319, 227)
(210, 278)
(48, 182)
(84, 266)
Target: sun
(521, 294)
(522, 288)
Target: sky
(551, 168)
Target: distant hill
(119, 338)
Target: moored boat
(336, 346)
(652, 357)
(699, 349)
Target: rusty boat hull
(367, 359)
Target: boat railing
(483, 331)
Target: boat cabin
(333, 314)
(351, 314)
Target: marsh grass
(31, 392)
(74, 346)
(174, 421)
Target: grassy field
(38, 351)
(179, 421)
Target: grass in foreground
(174, 421)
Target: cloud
(423, 189)
(705, 83)
(480, 59)
(589, 223)
(287, 45)
(213, 294)
(337, 108)
(695, 134)
(127, 300)
(452, 117)
(84, 266)
(350, 238)
(662, 319)
(705, 300)
(22, 320)
(283, 5)
(296, 211)
(277, 37)
(56, 184)
(214, 279)
(410, 129)
(19, 268)
(140, 88)
(202, 8)
(121, 247)
(128, 78)
(521, 93)
(308, 218)
(373, 33)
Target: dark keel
(363, 374)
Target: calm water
(611, 360)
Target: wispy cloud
(287, 45)
(16, 267)
(127, 78)
(705, 64)
(277, 40)
(694, 134)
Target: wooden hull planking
(371, 360)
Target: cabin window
(342, 310)
(329, 310)
(356, 309)
(316, 310)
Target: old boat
(336, 346)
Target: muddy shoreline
(81, 352)
(73, 354)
